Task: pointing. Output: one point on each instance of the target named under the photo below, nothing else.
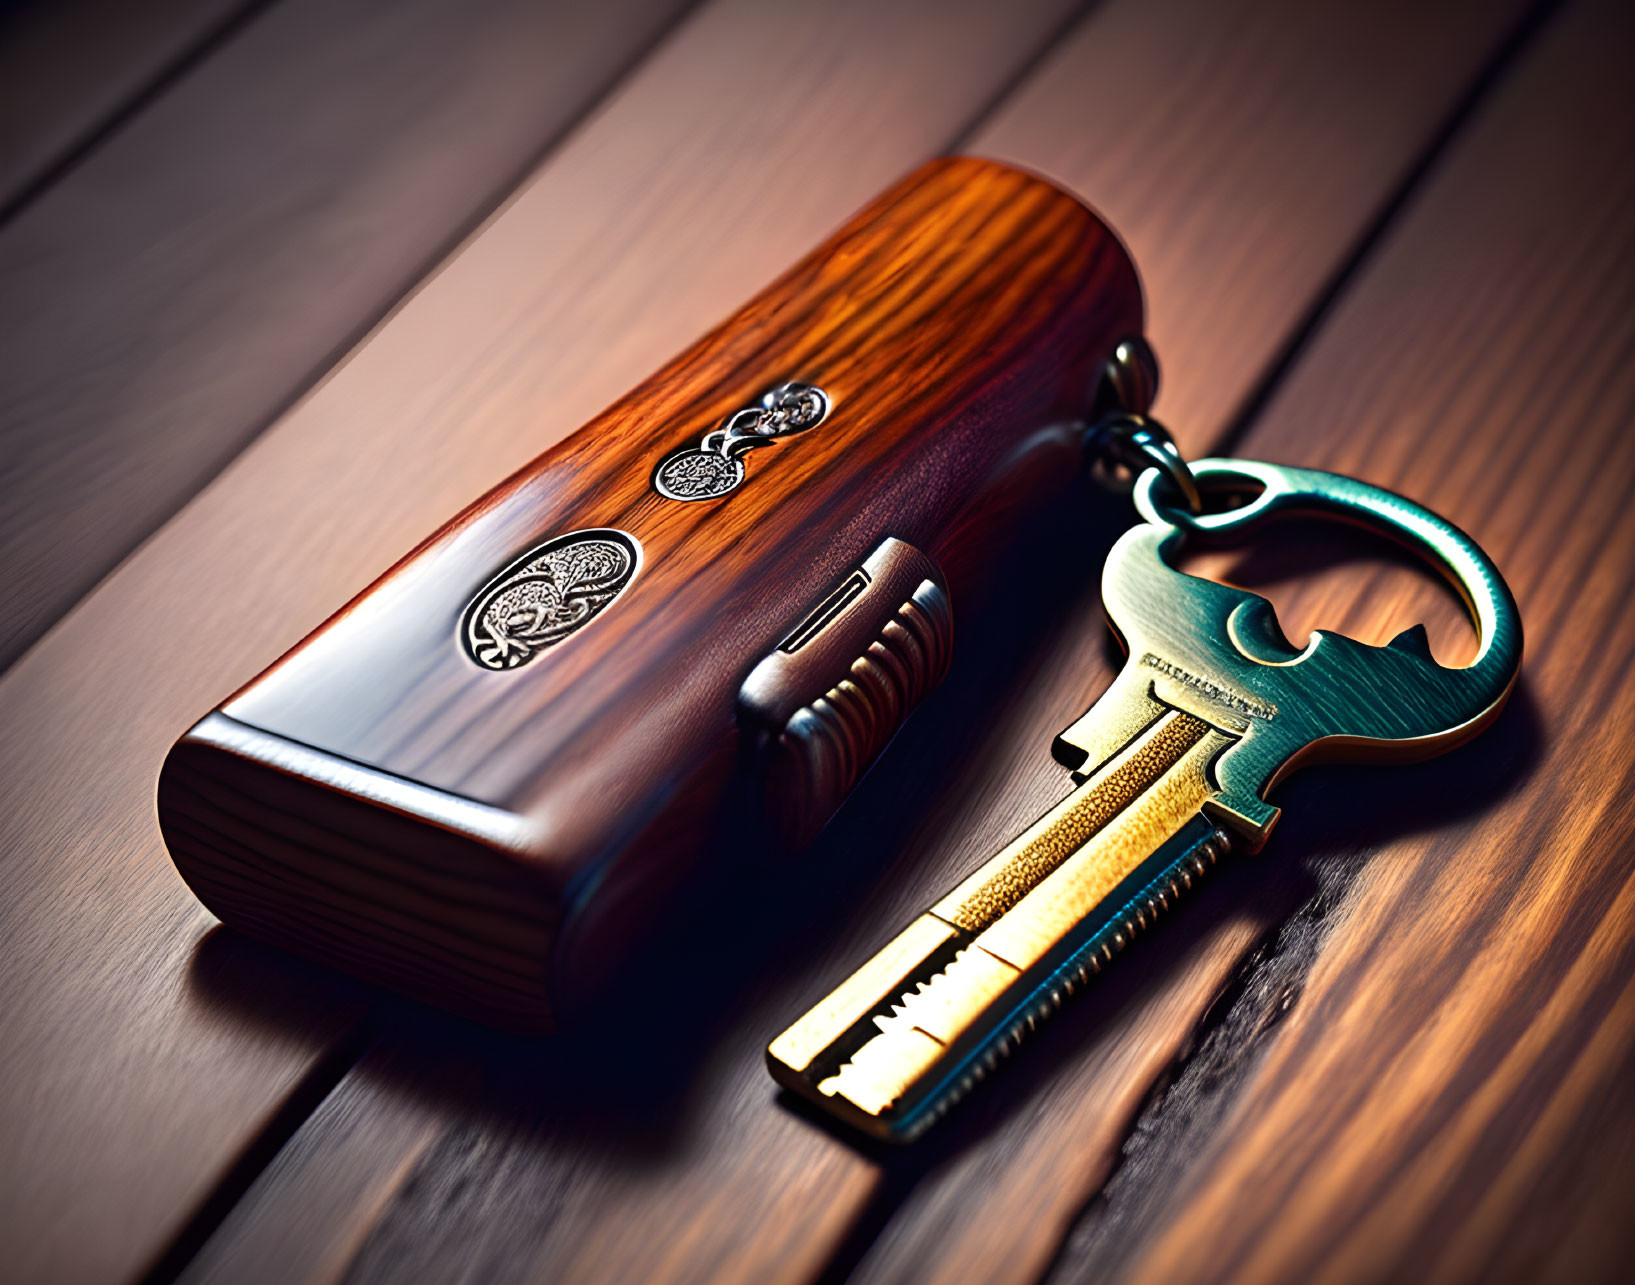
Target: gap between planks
(72, 72)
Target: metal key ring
(1139, 443)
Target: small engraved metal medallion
(547, 594)
(715, 466)
(695, 474)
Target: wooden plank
(384, 1136)
(67, 70)
(1449, 1097)
(1324, 108)
(138, 1064)
(687, 1165)
(197, 272)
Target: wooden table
(283, 285)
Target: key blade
(901, 1039)
(980, 900)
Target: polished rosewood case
(490, 839)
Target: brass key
(1173, 762)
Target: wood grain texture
(1428, 1106)
(385, 1140)
(1326, 106)
(135, 1072)
(959, 326)
(196, 273)
(67, 70)
(700, 1171)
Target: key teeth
(1074, 973)
(1052, 993)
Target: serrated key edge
(1076, 971)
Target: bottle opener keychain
(1173, 766)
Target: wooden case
(490, 839)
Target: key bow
(1218, 652)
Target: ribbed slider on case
(833, 693)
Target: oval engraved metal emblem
(549, 593)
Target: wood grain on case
(959, 326)
(145, 1056)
